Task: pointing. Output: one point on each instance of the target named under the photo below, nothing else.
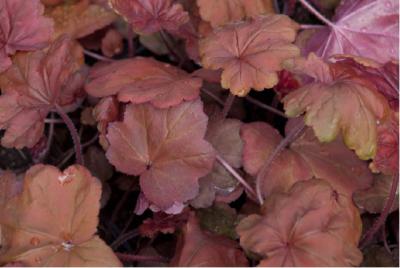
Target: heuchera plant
(205, 132)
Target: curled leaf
(250, 53)
(293, 226)
(143, 80)
(165, 147)
(22, 27)
(54, 220)
(338, 101)
(149, 16)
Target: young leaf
(366, 28)
(165, 147)
(79, 19)
(338, 101)
(141, 80)
(22, 27)
(250, 53)
(311, 225)
(197, 248)
(306, 158)
(149, 16)
(54, 220)
(220, 12)
(31, 88)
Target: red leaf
(311, 225)
(149, 16)
(32, 87)
(197, 248)
(22, 27)
(141, 80)
(366, 28)
(250, 53)
(165, 147)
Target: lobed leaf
(293, 227)
(250, 53)
(53, 221)
(165, 147)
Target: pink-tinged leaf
(22, 27)
(306, 158)
(251, 52)
(163, 223)
(149, 16)
(112, 43)
(165, 147)
(384, 76)
(53, 222)
(141, 80)
(311, 225)
(106, 111)
(36, 82)
(198, 248)
(367, 28)
(338, 101)
(386, 159)
(374, 198)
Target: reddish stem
(73, 132)
(228, 105)
(296, 131)
(385, 212)
(135, 258)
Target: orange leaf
(311, 225)
(54, 220)
(338, 101)
(220, 12)
(250, 53)
(79, 19)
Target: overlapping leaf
(338, 101)
(141, 80)
(250, 53)
(79, 19)
(54, 220)
(197, 248)
(305, 159)
(149, 16)
(366, 28)
(223, 134)
(311, 225)
(22, 27)
(165, 147)
(32, 87)
(220, 12)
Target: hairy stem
(73, 132)
(385, 212)
(228, 105)
(233, 172)
(213, 96)
(135, 258)
(316, 13)
(296, 131)
(97, 56)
